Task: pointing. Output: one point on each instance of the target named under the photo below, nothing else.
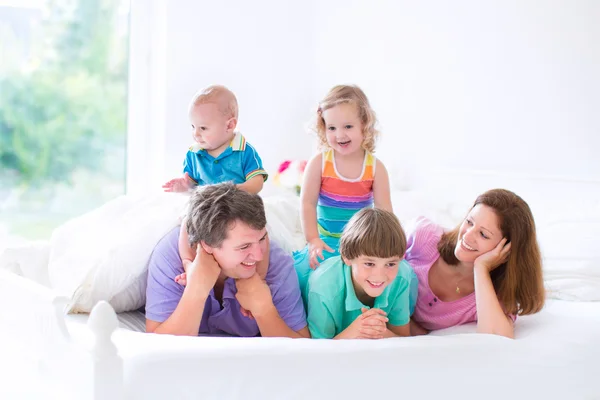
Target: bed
(104, 355)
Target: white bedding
(555, 356)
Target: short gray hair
(212, 209)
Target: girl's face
(371, 275)
(479, 233)
(343, 128)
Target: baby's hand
(315, 251)
(182, 184)
(181, 279)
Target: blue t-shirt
(238, 163)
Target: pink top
(430, 312)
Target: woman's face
(479, 233)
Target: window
(63, 111)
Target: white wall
(504, 85)
(259, 49)
(501, 85)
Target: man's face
(240, 252)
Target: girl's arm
(186, 253)
(381, 188)
(490, 315)
(309, 196)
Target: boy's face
(210, 128)
(241, 251)
(371, 275)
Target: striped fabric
(340, 198)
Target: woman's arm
(490, 315)
(381, 188)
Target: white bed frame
(66, 365)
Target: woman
(488, 269)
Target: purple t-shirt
(163, 293)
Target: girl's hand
(182, 184)
(371, 324)
(495, 257)
(315, 251)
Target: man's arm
(186, 318)
(187, 315)
(271, 324)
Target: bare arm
(270, 324)
(309, 196)
(254, 185)
(186, 253)
(397, 331)
(381, 188)
(416, 329)
(490, 315)
(186, 318)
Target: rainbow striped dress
(339, 199)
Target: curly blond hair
(348, 94)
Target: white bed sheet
(555, 356)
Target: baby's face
(210, 128)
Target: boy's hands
(315, 251)
(182, 184)
(371, 324)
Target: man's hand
(182, 184)
(254, 295)
(203, 272)
(371, 324)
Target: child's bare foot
(181, 279)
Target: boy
(219, 154)
(369, 291)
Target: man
(225, 290)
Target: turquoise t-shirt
(333, 305)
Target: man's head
(230, 224)
(213, 115)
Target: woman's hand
(315, 251)
(495, 257)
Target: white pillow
(103, 255)
(571, 258)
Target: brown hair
(212, 209)
(373, 232)
(348, 94)
(219, 95)
(518, 282)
